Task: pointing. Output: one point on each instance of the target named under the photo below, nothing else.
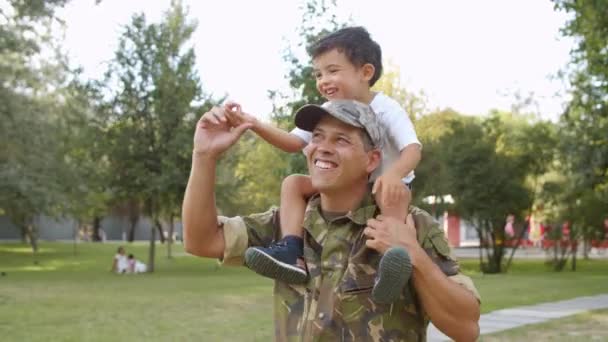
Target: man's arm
(452, 308)
(279, 138)
(202, 234)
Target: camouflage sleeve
(467, 283)
(243, 232)
(432, 239)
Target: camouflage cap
(352, 112)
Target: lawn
(68, 297)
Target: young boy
(347, 63)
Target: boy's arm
(273, 135)
(277, 137)
(408, 160)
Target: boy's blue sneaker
(394, 271)
(279, 260)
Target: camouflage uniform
(335, 304)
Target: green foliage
(585, 121)
(490, 166)
(149, 123)
(583, 150)
(33, 143)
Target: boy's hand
(390, 189)
(236, 116)
(213, 135)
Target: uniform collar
(366, 210)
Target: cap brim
(308, 116)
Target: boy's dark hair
(130, 256)
(356, 44)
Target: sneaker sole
(267, 266)
(394, 271)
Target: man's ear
(368, 71)
(374, 159)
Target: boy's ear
(368, 71)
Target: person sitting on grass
(119, 263)
(136, 266)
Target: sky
(471, 56)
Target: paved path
(526, 253)
(515, 317)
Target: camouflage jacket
(336, 304)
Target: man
(343, 241)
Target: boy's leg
(395, 268)
(295, 192)
(283, 260)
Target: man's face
(336, 156)
(338, 78)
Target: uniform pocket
(358, 278)
(441, 254)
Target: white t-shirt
(395, 122)
(122, 264)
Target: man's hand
(385, 232)
(390, 190)
(214, 134)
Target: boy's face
(337, 78)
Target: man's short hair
(368, 145)
(356, 44)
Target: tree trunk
(161, 233)
(480, 236)
(170, 238)
(152, 248)
(32, 234)
(134, 213)
(133, 219)
(96, 227)
(574, 250)
(514, 248)
(76, 230)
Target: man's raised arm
(213, 136)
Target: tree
(32, 164)
(431, 173)
(488, 165)
(584, 123)
(585, 120)
(150, 121)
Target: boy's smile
(337, 78)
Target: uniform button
(321, 315)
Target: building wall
(50, 229)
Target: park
(99, 103)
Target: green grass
(588, 326)
(530, 281)
(69, 297)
